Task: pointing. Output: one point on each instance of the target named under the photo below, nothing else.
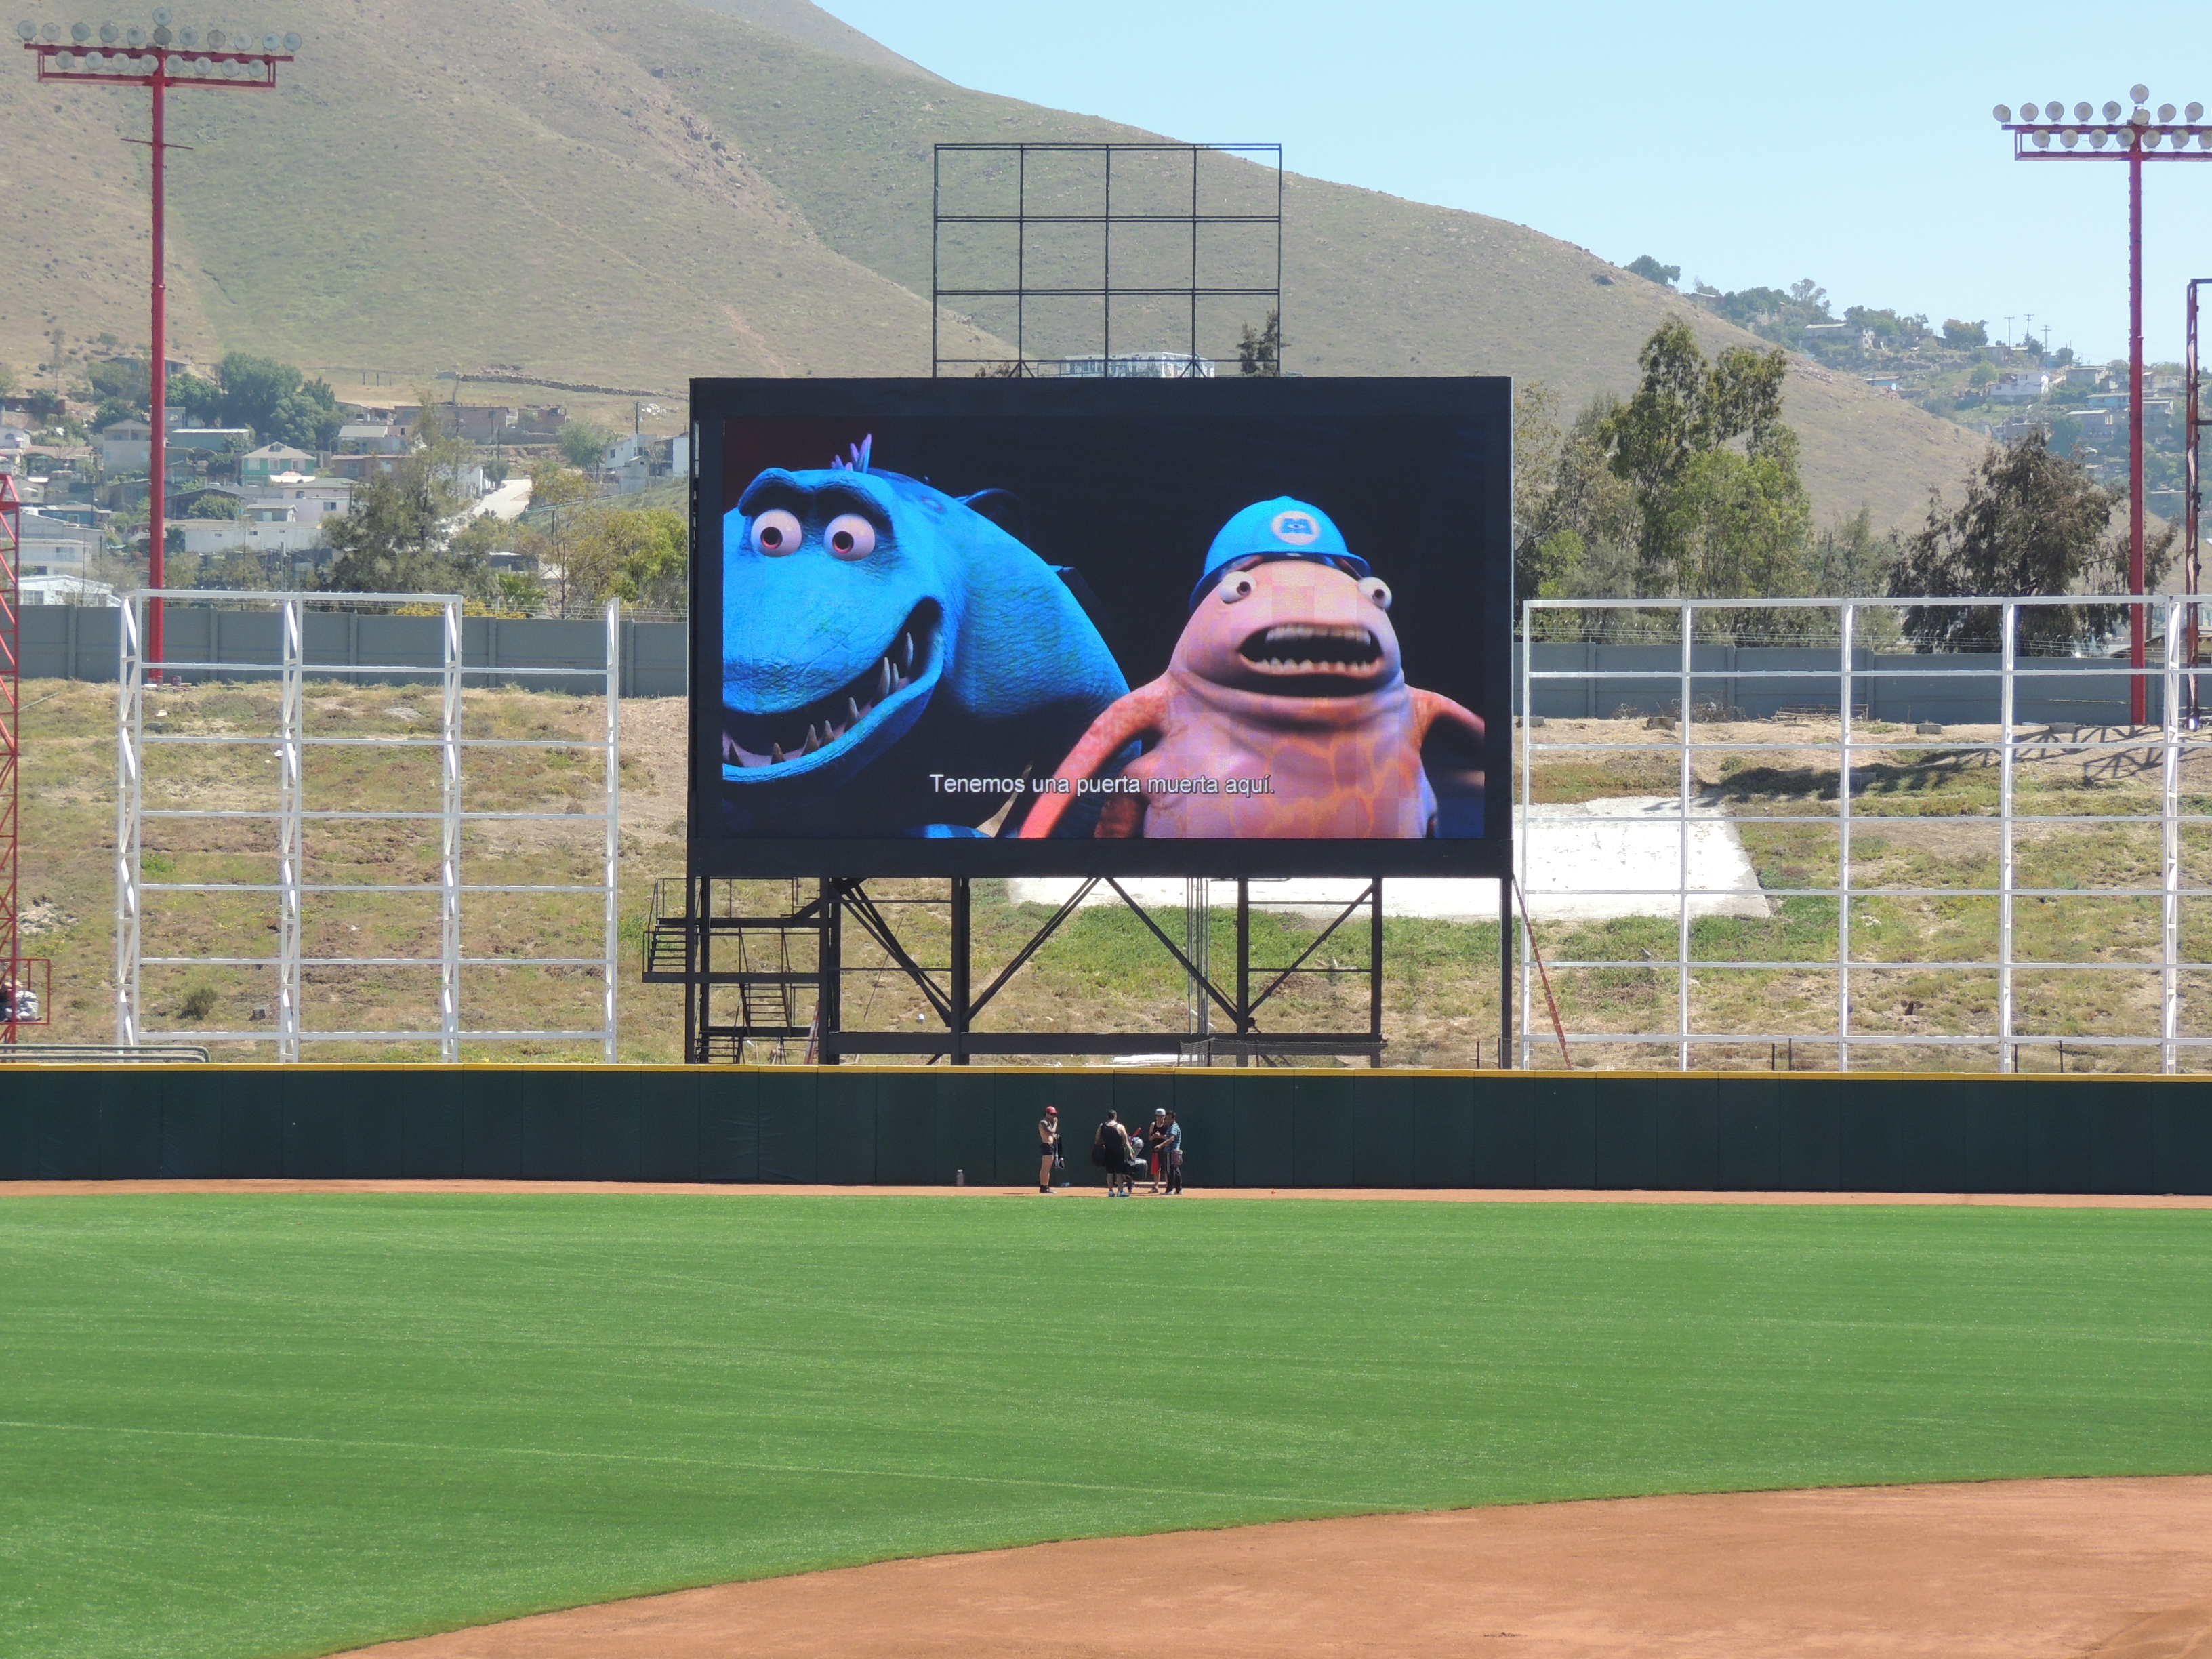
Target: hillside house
(213, 440)
(67, 589)
(636, 461)
(126, 447)
(371, 438)
(311, 500)
(2019, 388)
(56, 547)
(260, 466)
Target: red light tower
(2128, 135)
(156, 58)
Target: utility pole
(157, 59)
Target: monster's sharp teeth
(853, 707)
(883, 680)
(813, 742)
(775, 755)
(906, 653)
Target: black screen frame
(1487, 400)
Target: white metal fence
(1890, 838)
(288, 895)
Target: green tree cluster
(1261, 351)
(584, 444)
(2032, 522)
(275, 399)
(1651, 271)
(1688, 490)
(1772, 313)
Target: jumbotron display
(1092, 626)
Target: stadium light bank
(2126, 133)
(157, 58)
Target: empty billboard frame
(1090, 626)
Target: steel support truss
(843, 908)
(1852, 686)
(1018, 261)
(291, 892)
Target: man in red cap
(1048, 1144)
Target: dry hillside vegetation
(629, 195)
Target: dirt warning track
(1409, 1195)
(2117, 1569)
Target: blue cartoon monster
(883, 642)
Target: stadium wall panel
(893, 1126)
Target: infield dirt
(2117, 1569)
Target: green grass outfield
(235, 1425)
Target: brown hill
(629, 194)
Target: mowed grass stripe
(276, 1425)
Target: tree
(1707, 525)
(111, 410)
(277, 402)
(2032, 522)
(584, 444)
(393, 540)
(1261, 353)
(638, 556)
(1851, 560)
(1651, 271)
(129, 383)
(200, 400)
(1576, 517)
(1964, 335)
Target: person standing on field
(1047, 1145)
(1170, 1139)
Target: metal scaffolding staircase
(774, 961)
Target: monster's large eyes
(851, 537)
(776, 532)
(1377, 590)
(1235, 586)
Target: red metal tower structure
(11, 700)
(157, 58)
(15, 969)
(2129, 135)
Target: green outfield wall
(907, 1126)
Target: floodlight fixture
(2084, 109)
(157, 59)
(2129, 133)
(2002, 112)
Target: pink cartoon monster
(1283, 713)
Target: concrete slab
(1618, 856)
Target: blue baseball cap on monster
(1279, 529)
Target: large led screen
(1202, 627)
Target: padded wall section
(928, 1127)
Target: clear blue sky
(1749, 145)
